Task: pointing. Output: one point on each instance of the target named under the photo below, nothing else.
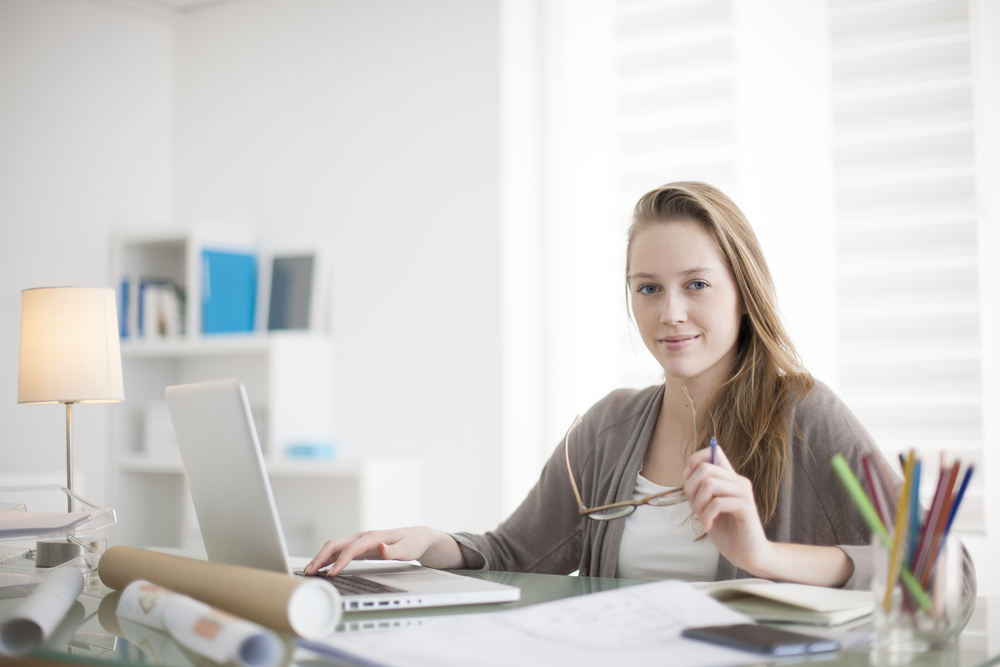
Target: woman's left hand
(723, 501)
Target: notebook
(239, 522)
(778, 602)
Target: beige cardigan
(546, 534)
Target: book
(159, 309)
(150, 307)
(291, 292)
(776, 602)
(129, 320)
(229, 291)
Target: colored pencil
(902, 520)
(914, 516)
(931, 516)
(870, 516)
(924, 573)
(876, 490)
(958, 499)
(888, 488)
(918, 538)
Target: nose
(673, 311)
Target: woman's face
(685, 301)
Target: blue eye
(647, 289)
(698, 284)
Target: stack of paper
(15, 524)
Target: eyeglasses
(626, 507)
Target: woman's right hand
(431, 547)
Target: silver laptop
(239, 522)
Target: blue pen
(713, 444)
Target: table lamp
(69, 352)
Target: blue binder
(229, 291)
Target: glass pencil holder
(908, 624)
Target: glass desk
(87, 637)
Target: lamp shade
(69, 346)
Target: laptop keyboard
(349, 584)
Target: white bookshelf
(289, 379)
(343, 469)
(186, 347)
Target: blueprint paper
(220, 637)
(39, 614)
(633, 625)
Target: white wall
(522, 268)
(372, 127)
(584, 233)
(85, 100)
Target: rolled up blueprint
(220, 637)
(159, 648)
(41, 612)
(306, 607)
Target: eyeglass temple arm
(694, 414)
(609, 507)
(569, 469)
(636, 503)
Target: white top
(660, 542)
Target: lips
(678, 342)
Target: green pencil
(870, 516)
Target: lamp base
(49, 553)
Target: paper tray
(17, 561)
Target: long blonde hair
(750, 416)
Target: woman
(770, 506)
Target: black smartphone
(762, 639)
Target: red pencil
(889, 489)
(930, 554)
(929, 520)
(935, 525)
(876, 492)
